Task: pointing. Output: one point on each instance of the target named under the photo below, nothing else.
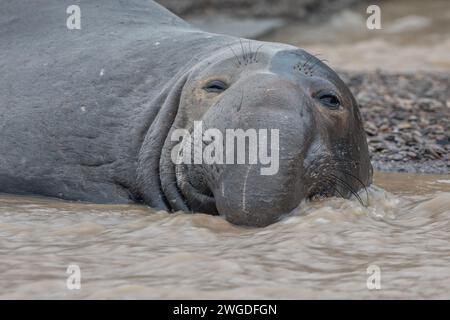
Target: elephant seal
(89, 114)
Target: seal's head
(278, 125)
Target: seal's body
(76, 104)
(88, 114)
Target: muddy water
(414, 35)
(322, 251)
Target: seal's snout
(255, 218)
(245, 197)
(256, 213)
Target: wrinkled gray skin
(88, 114)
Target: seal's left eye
(215, 86)
(330, 100)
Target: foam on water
(323, 249)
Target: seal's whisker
(240, 103)
(334, 188)
(311, 68)
(234, 53)
(359, 181)
(244, 55)
(349, 188)
(306, 62)
(256, 53)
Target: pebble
(407, 118)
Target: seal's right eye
(215, 86)
(329, 99)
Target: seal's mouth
(338, 184)
(324, 189)
(197, 199)
(198, 195)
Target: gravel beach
(407, 119)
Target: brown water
(414, 35)
(322, 251)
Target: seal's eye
(329, 99)
(215, 86)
